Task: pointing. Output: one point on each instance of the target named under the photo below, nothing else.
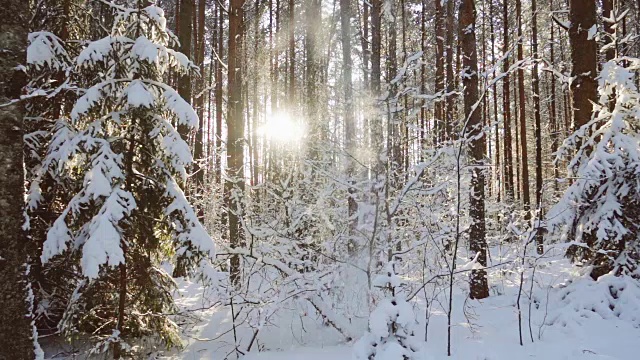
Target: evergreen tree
(390, 335)
(128, 215)
(602, 203)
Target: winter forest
(320, 179)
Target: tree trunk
(349, 119)
(234, 185)
(198, 151)
(219, 67)
(15, 328)
(608, 13)
(523, 119)
(184, 35)
(536, 112)
(508, 154)
(313, 21)
(498, 171)
(477, 242)
(582, 17)
(376, 46)
(450, 99)
(292, 53)
(553, 120)
(439, 117)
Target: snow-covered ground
(572, 317)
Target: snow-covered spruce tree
(599, 212)
(390, 335)
(129, 215)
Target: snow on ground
(572, 318)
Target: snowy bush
(390, 335)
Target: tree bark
(536, 113)
(508, 154)
(184, 35)
(526, 201)
(498, 171)
(218, 91)
(15, 328)
(198, 151)
(439, 117)
(292, 53)
(474, 130)
(234, 185)
(582, 17)
(349, 119)
(553, 120)
(313, 20)
(451, 83)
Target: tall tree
(451, 84)
(522, 117)
(15, 327)
(234, 185)
(474, 130)
(439, 75)
(184, 35)
(553, 118)
(292, 53)
(536, 113)
(498, 171)
(218, 92)
(313, 20)
(349, 119)
(506, 105)
(198, 151)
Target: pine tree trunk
(184, 35)
(234, 186)
(313, 22)
(536, 112)
(439, 117)
(582, 17)
(477, 241)
(498, 171)
(376, 47)
(524, 158)
(349, 119)
(198, 151)
(553, 120)
(218, 95)
(292, 53)
(15, 325)
(451, 86)
(508, 154)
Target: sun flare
(281, 127)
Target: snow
(86, 101)
(103, 244)
(96, 50)
(185, 113)
(192, 233)
(138, 95)
(45, 49)
(490, 334)
(593, 31)
(157, 14)
(146, 50)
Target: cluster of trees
(422, 120)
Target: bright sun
(280, 127)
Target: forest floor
(571, 317)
